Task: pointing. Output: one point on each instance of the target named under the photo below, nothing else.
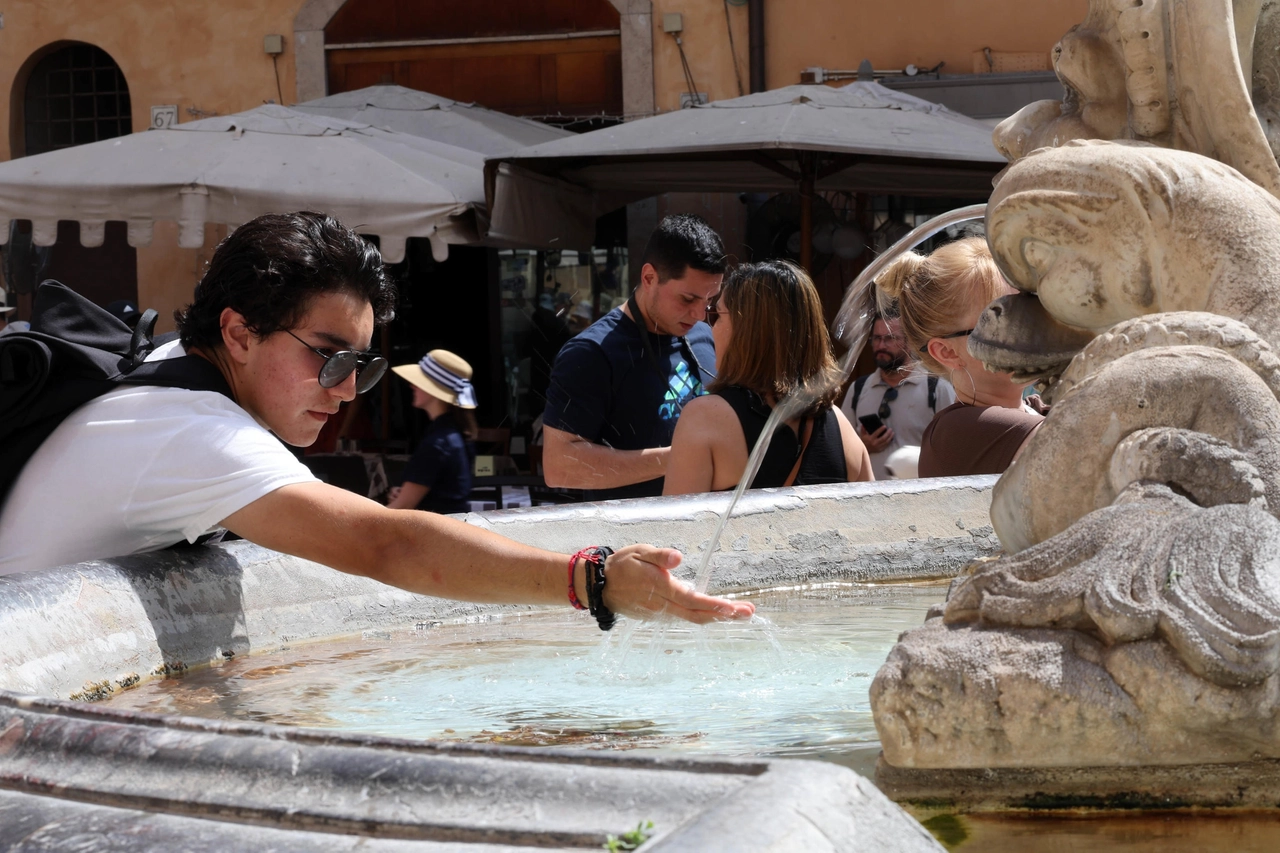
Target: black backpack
(77, 351)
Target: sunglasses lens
(337, 368)
(371, 374)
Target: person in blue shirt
(438, 477)
(617, 389)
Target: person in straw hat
(438, 477)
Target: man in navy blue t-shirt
(618, 388)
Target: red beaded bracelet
(573, 564)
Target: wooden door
(555, 57)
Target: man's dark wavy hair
(269, 270)
(681, 241)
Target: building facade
(75, 71)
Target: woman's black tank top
(823, 460)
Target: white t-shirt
(139, 469)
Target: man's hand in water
(639, 583)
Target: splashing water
(853, 326)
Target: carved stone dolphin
(1102, 232)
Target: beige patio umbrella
(463, 125)
(861, 137)
(229, 169)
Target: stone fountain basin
(137, 781)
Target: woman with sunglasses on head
(771, 340)
(438, 477)
(939, 298)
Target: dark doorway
(74, 95)
(447, 305)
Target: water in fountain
(545, 679)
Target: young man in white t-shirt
(289, 305)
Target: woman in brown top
(939, 298)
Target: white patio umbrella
(229, 169)
(468, 126)
(862, 137)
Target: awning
(430, 116)
(859, 138)
(230, 169)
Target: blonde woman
(939, 299)
(771, 340)
(438, 477)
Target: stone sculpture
(1207, 384)
(1195, 75)
(1144, 635)
(1101, 232)
(1135, 617)
(1138, 620)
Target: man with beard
(901, 394)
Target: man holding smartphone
(891, 407)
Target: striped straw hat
(443, 375)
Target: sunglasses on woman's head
(959, 334)
(339, 365)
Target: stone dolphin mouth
(1016, 335)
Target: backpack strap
(858, 385)
(188, 371)
(141, 344)
(933, 393)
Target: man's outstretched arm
(436, 555)
(571, 462)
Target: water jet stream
(853, 325)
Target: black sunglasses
(959, 334)
(889, 397)
(338, 366)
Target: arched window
(75, 95)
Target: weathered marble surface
(1103, 232)
(1134, 620)
(1147, 634)
(1209, 378)
(1195, 75)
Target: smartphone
(871, 423)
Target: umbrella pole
(807, 169)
